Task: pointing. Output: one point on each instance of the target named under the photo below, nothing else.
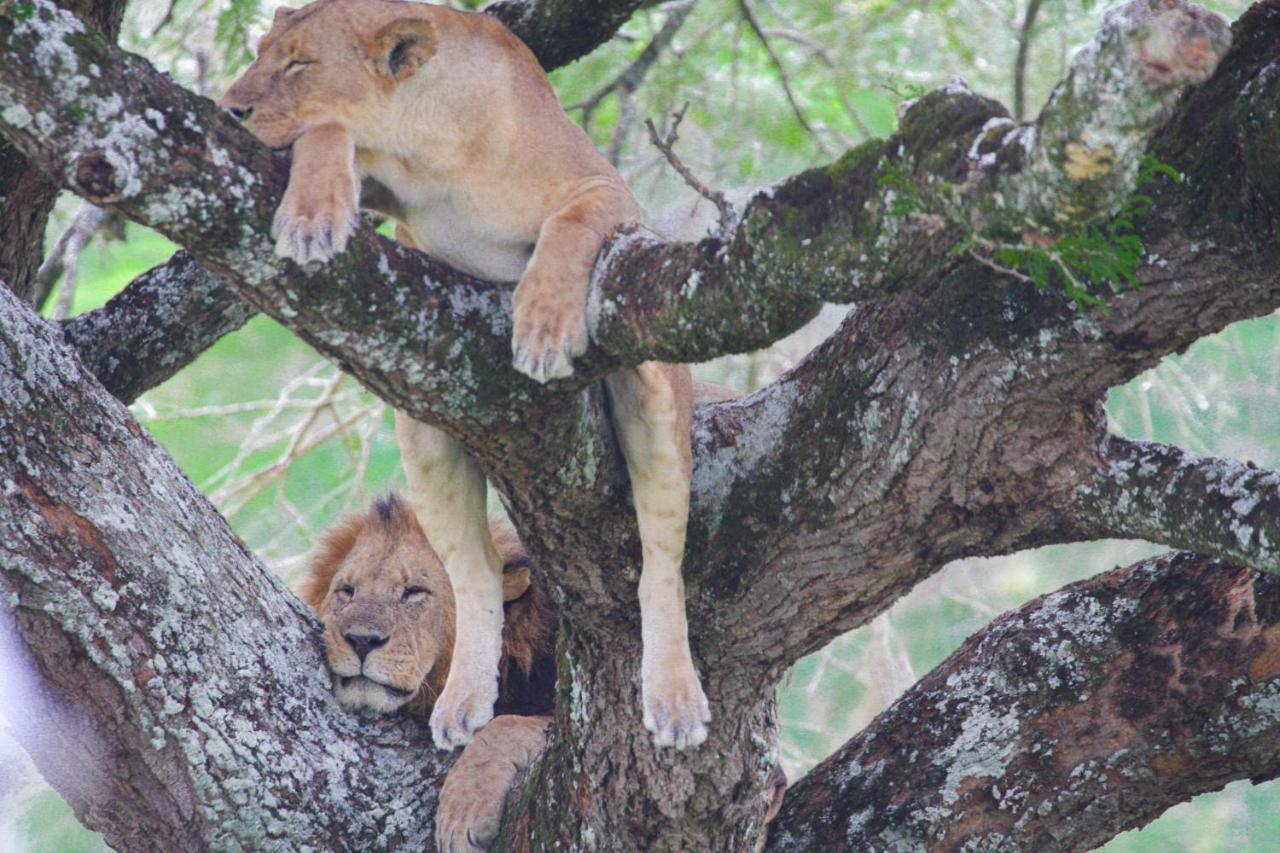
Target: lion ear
(514, 583)
(281, 13)
(400, 48)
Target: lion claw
(676, 710)
(455, 720)
(547, 362)
(304, 240)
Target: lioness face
(333, 61)
(387, 613)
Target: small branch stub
(96, 177)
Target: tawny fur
(444, 121)
(364, 547)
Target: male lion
(455, 132)
(387, 609)
(389, 619)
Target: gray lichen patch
(216, 665)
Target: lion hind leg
(474, 794)
(447, 491)
(652, 411)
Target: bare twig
(622, 128)
(633, 75)
(1003, 270)
(64, 259)
(165, 21)
(754, 24)
(1020, 64)
(727, 214)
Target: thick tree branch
(198, 677)
(1144, 490)
(960, 417)
(27, 196)
(829, 234)
(560, 31)
(156, 326)
(1085, 713)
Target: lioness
(455, 132)
(387, 609)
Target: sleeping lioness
(444, 121)
(387, 609)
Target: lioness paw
(550, 330)
(316, 219)
(475, 791)
(461, 711)
(675, 708)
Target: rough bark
(954, 414)
(27, 195)
(560, 31)
(156, 326)
(205, 717)
(1085, 713)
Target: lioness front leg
(318, 213)
(652, 411)
(447, 490)
(550, 302)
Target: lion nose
(240, 113)
(364, 643)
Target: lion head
(332, 61)
(387, 608)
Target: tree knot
(96, 176)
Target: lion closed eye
(388, 614)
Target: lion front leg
(321, 205)
(652, 412)
(447, 491)
(550, 302)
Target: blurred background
(283, 443)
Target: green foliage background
(283, 463)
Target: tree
(954, 413)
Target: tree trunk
(955, 413)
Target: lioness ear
(281, 13)
(514, 583)
(400, 48)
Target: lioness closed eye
(456, 133)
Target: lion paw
(461, 711)
(475, 791)
(316, 218)
(550, 330)
(675, 708)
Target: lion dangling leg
(447, 491)
(652, 413)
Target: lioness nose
(240, 113)
(364, 643)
